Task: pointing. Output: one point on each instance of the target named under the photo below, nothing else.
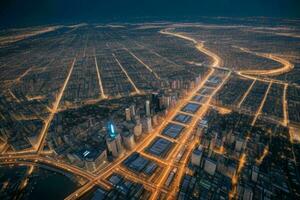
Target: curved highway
(287, 66)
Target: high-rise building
(137, 130)
(92, 158)
(164, 102)
(114, 145)
(128, 139)
(113, 141)
(197, 156)
(147, 106)
(210, 166)
(155, 102)
(148, 125)
(127, 114)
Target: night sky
(37, 12)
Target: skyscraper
(113, 141)
(148, 125)
(147, 108)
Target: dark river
(21, 182)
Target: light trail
(30, 169)
(221, 110)
(128, 77)
(235, 178)
(285, 107)
(286, 65)
(135, 178)
(217, 61)
(186, 113)
(144, 64)
(195, 102)
(34, 159)
(25, 35)
(200, 114)
(38, 97)
(166, 32)
(153, 158)
(103, 96)
(249, 74)
(216, 67)
(43, 134)
(161, 182)
(258, 112)
(246, 94)
(243, 158)
(25, 180)
(13, 96)
(23, 75)
(179, 123)
(84, 189)
(202, 110)
(261, 158)
(181, 170)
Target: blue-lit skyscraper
(112, 131)
(113, 141)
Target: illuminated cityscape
(192, 108)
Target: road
(216, 60)
(103, 96)
(286, 65)
(34, 158)
(246, 94)
(190, 147)
(127, 75)
(285, 107)
(258, 112)
(43, 134)
(145, 65)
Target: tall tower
(148, 125)
(113, 141)
(155, 101)
(147, 108)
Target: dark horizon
(17, 13)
